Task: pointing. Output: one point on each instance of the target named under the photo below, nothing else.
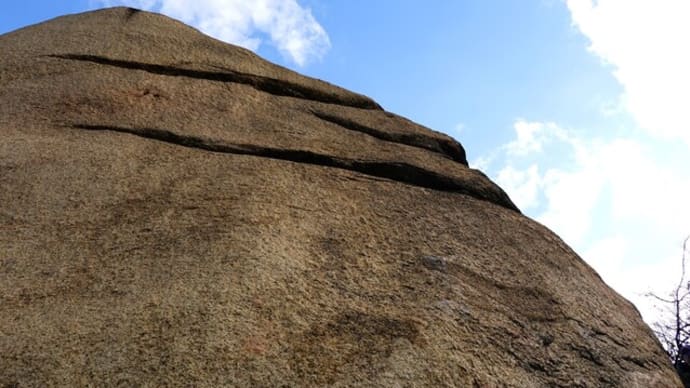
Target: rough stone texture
(177, 211)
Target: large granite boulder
(176, 211)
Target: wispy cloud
(531, 136)
(286, 25)
(646, 44)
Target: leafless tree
(673, 329)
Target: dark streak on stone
(448, 148)
(635, 361)
(546, 339)
(397, 171)
(435, 263)
(269, 85)
(587, 354)
(130, 12)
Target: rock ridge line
(265, 84)
(449, 149)
(396, 171)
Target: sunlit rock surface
(177, 211)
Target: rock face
(176, 211)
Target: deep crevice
(448, 149)
(265, 84)
(397, 171)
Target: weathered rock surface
(177, 211)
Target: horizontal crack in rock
(265, 84)
(397, 171)
(448, 149)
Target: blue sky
(578, 108)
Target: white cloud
(607, 256)
(571, 197)
(622, 203)
(531, 136)
(528, 138)
(523, 185)
(292, 29)
(646, 43)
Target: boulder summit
(176, 211)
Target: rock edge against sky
(179, 211)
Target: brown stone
(176, 211)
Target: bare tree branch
(673, 331)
